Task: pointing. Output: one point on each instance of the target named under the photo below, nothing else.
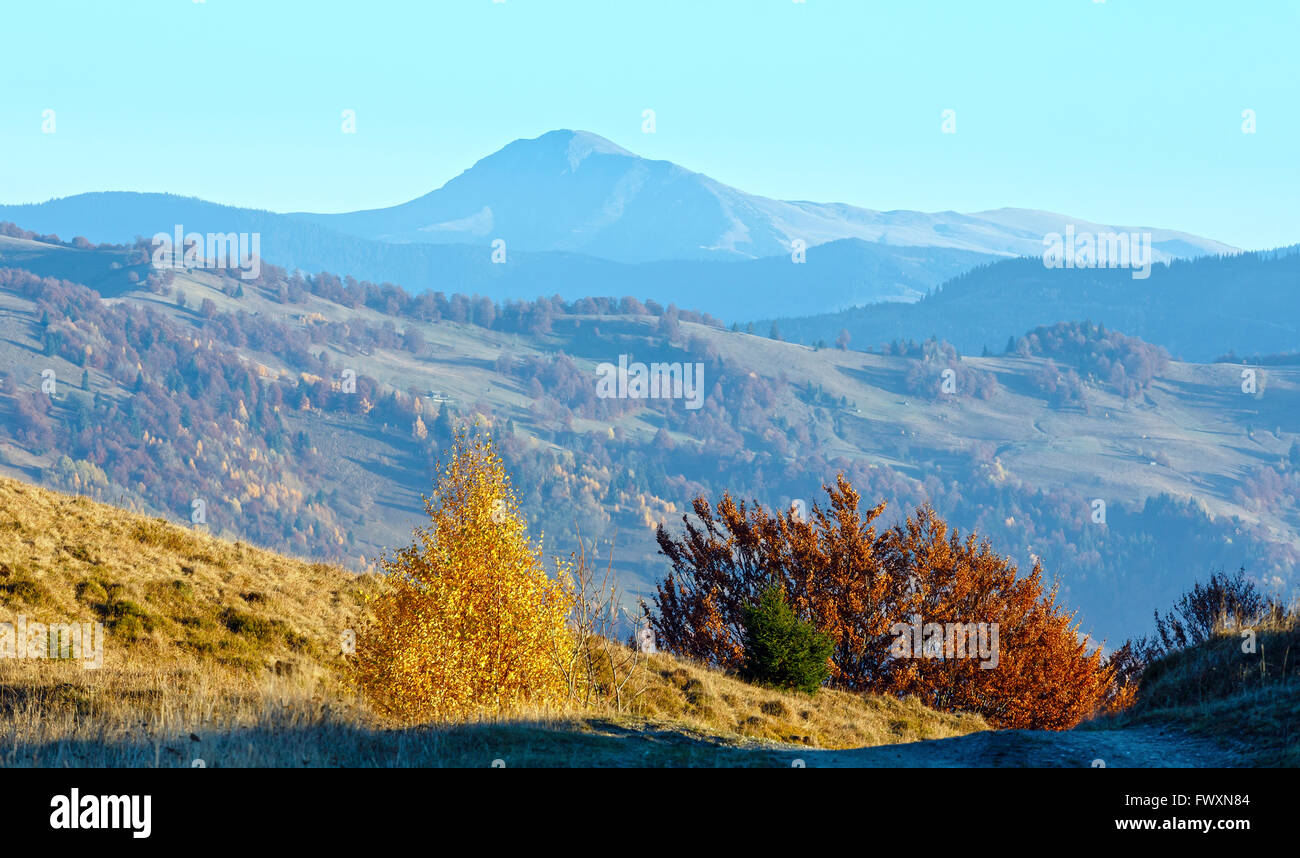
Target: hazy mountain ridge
(578, 213)
(836, 275)
(1198, 309)
(576, 191)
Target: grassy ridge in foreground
(219, 651)
(1220, 688)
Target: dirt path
(1131, 747)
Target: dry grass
(1249, 700)
(225, 653)
(168, 593)
(57, 714)
(724, 706)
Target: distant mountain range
(839, 274)
(577, 192)
(581, 216)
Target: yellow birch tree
(467, 621)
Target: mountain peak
(574, 146)
(574, 191)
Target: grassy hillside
(1190, 463)
(1242, 698)
(226, 653)
(169, 594)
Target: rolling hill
(233, 392)
(836, 275)
(1247, 304)
(221, 652)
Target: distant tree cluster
(528, 317)
(1273, 488)
(1127, 364)
(940, 371)
(1276, 359)
(199, 422)
(1063, 387)
(13, 231)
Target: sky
(1126, 112)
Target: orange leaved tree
(467, 622)
(914, 610)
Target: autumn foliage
(467, 622)
(856, 584)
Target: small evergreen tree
(780, 649)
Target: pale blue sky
(1127, 111)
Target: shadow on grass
(589, 743)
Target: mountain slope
(578, 213)
(222, 652)
(170, 594)
(835, 276)
(1197, 309)
(1195, 473)
(581, 216)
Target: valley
(1188, 457)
